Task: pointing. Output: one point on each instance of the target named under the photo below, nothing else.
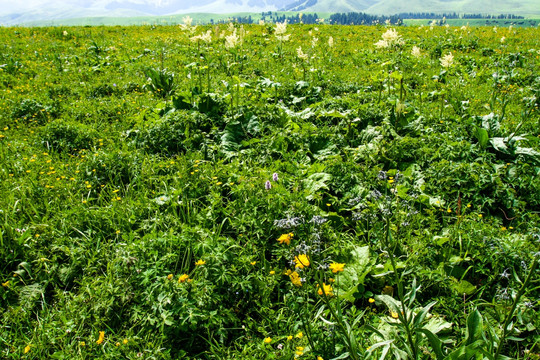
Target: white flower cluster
(390, 38)
(280, 30)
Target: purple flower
(275, 176)
(267, 185)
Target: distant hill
(39, 11)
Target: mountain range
(20, 12)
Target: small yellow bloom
(480, 215)
(300, 335)
(200, 262)
(336, 267)
(169, 277)
(285, 238)
(183, 278)
(503, 228)
(394, 314)
(295, 279)
(325, 290)
(449, 210)
(253, 262)
(101, 337)
(371, 300)
(125, 341)
(301, 261)
(267, 340)
(82, 343)
(117, 343)
(6, 284)
(27, 349)
(289, 337)
(319, 358)
(272, 272)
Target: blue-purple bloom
(268, 185)
(275, 177)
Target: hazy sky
(10, 6)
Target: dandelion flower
(325, 290)
(295, 279)
(125, 341)
(27, 349)
(200, 262)
(183, 278)
(301, 261)
(101, 337)
(285, 238)
(299, 335)
(169, 277)
(267, 340)
(336, 267)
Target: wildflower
(200, 262)
(267, 340)
(207, 36)
(183, 278)
(295, 279)
(285, 238)
(314, 42)
(301, 54)
(447, 60)
(231, 40)
(301, 261)
(319, 358)
(253, 262)
(289, 337)
(299, 350)
(82, 343)
(5, 284)
(394, 314)
(371, 300)
(281, 28)
(330, 42)
(275, 177)
(272, 272)
(390, 38)
(416, 52)
(169, 277)
(125, 341)
(381, 44)
(101, 337)
(325, 290)
(267, 185)
(299, 335)
(27, 349)
(336, 267)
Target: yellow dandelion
(299, 335)
(183, 278)
(253, 262)
(295, 279)
(336, 267)
(27, 349)
(289, 337)
(325, 290)
(200, 262)
(301, 261)
(285, 238)
(125, 341)
(101, 337)
(272, 272)
(267, 340)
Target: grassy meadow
(269, 192)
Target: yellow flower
(253, 262)
(272, 272)
(289, 337)
(285, 238)
(325, 290)
(200, 262)
(319, 358)
(299, 350)
(82, 343)
(267, 340)
(27, 349)
(117, 343)
(371, 300)
(295, 279)
(336, 267)
(125, 341)
(183, 278)
(169, 277)
(300, 335)
(6, 284)
(301, 261)
(394, 314)
(101, 337)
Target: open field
(269, 192)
